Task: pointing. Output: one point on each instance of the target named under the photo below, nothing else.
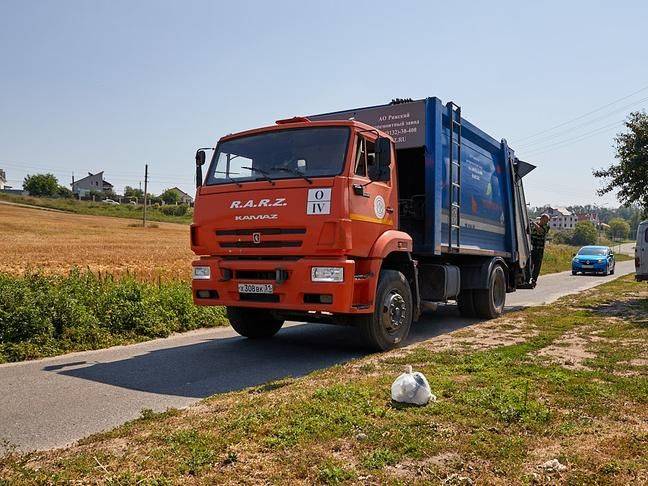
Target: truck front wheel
(489, 303)
(253, 323)
(389, 325)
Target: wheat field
(54, 242)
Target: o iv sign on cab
(319, 201)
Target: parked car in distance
(593, 259)
(641, 252)
(110, 201)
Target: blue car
(593, 259)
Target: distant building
(92, 182)
(184, 197)
(593, 217)
(562, 219)
(3, 179)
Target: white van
(641, 252)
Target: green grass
(101, 209)
(502, 410)
(50, 315)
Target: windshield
(296, 153)
(588, 250)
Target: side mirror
(379, 170)
(200, 161)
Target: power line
(582, 116)
(547, 138)
(571, 141)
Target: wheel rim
(499, 291)
(394, 312)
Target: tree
(170, 196)
(630, 175)
(619, 229)
(584, 233)
(45, 185)
(132, 192)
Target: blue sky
(110, 85)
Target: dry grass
(54, 242)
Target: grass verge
(566, 381)
(50, 315)
(130, 211)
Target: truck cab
(303, 220)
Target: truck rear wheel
(389, 325)
(253, 323)
(466, 304)
(489, 303)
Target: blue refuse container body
(491, 213)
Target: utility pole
(145, 195)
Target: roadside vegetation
(50, 315)
(567, 382)
(171, 213)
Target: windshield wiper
(294, 171)
(264, 173)
(228, 177)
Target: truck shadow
(220, 365)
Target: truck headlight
(327, 274)
(201, 273)
(600, 260)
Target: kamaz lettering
(255, 217)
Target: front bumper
(293, 289)
(591, 268)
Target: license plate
(587, 266)
(255, 288)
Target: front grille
(262, 231)
(256, 274)
(262, 244)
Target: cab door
(372, 204)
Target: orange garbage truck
(361, 217)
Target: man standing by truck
(539, 232)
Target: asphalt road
(55, 401)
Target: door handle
(389, 209)
(358, 190)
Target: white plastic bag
(412, 388)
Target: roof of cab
(303, 122)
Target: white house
(562, 219)
(92, 182)
(184, 197)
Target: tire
(389, 324)
(489, 303)
(253, 323)
(466, 304)
(574, 272)
(612, 271)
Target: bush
(64, 193)
(179, 210)
(584, 233)
(562, 237)
(48, 315)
